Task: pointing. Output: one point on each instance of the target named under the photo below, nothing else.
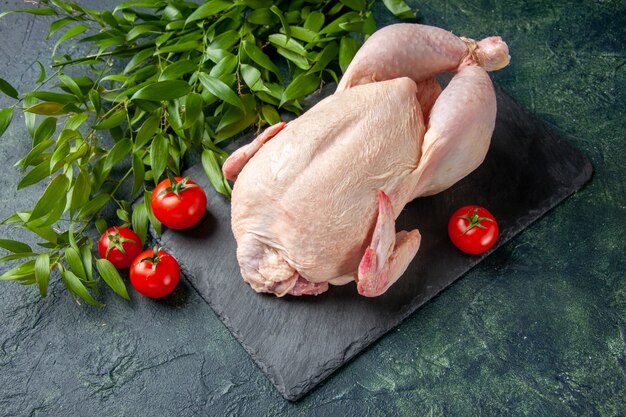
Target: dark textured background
(538, 328)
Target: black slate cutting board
(299, 341)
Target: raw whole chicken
(315, 200)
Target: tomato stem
(474, 221)
(177, 187)
(117, 241)
(154, 259)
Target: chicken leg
(461, 119)
(419, 52)
(459, 132)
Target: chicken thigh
(315, 201)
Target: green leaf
(29, 118)
(70, 33)
(115, 119)
(128, 4)
(159, 152)
(81, 190)
(280, 40)
(94, 205)
(47, 108)
(354, 26)
(153, 220)
(225, 40)
(8, 89)
(15, 256)
(45, 232)
(75, 262)
(75, 121)
(357, 5)
(335, 9)
(193, 109)
(42, 273)
(314, 21)
(123, 216)
(171, 13)
(163, 90)
(42, 73)
(301, 86)
(14, 218)
(220, 90)
(14, 246)
(257, 4)
(335, 25)
(141, 222)
(36, 174)
(140, 31)
(43, 11)
(225, 66)
(113, 279)
(6, 115)
(22, 272)
(96, 102)
(257, 55)
(263, 16)
(72, 84)
(208, 9)
(138, 59)
(347, 49)
(283, 21)
(87, 257)
(138, 173)
(147, 130)
(71, 237)
(117, 153)
(45, 130)
(214, 172)
(400, 9)
(299, 60)
(270, 115)
(101, 225)
(58, 25)
(325, 57)
(58, 158)
(180, 47)
(239, 126)
(73, 283)
(56, 97)
(251, 76)
(35, 156)
(178, 69)
(54, 194)
(303, 34)
(174, 119)
(369, 26)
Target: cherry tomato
(154, 273)
(120, 246)
(473, 229)
(179, 205)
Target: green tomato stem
(475, 221)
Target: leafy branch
(194, 76)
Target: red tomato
(120, 246)
(178, 206)
(473, 229)
(154, 274)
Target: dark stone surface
(537, 328)
(299, 341)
